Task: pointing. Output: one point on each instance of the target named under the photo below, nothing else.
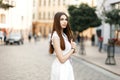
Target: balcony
(6, 4)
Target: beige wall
(45, 11)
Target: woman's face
(63, 21)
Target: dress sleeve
(54, 36)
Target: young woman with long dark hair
(62, 45)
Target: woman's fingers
(73, 44)
(71, 40)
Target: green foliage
(113, 16)
(1, 2)
(83, 17)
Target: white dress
(63, 71)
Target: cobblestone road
(31, 61)
(87, 71)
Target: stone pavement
(97, 58)
(31, 61)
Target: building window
(44, 15)
(2, 18)
(53, 15)
(39, 15)
(39, 2)
(49, 3)
(53, 2)
(49, 15)
(33, 16)
(58, 2)
(33, 3)
(116, 6)
(44, 2)
(63, 2)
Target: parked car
(1, 36)
(14, 38)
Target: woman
(61, 43)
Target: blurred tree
(83, 17)
(5, 5)
(113, 18)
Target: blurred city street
(32, 61)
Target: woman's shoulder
(55, 35)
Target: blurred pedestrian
(86, 37)
(93, 40)
(78, 38)
(100, 43)
(35, 37)
(61, 43)
(5, 37)
(29, 37)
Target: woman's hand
(73, 45)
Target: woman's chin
(64, 27)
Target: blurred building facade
(4, 16)
(44, 10)
(106, 5)
(43, 13)
(36, 14)
(18, 18)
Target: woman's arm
(62, 58)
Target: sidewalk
(97, 58)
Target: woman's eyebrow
(63, 18)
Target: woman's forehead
(63, 16)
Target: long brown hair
(57, 28)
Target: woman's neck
(62, 31)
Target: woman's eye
(66, 19)
(63, 19)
